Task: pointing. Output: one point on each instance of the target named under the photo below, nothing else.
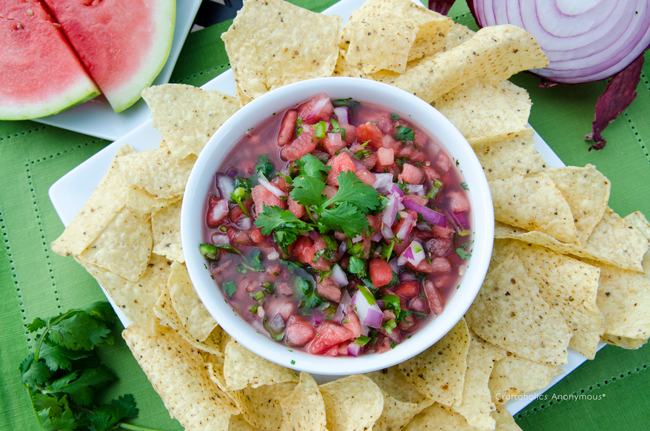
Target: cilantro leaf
(285, 226)
(57, 357)
(308, 191)
(464, 254)
(107, 416)
(229, 287)
(354, 191)
(80, 331)
(404, 134)
(345, 218)
(311, 298)
(311, 166)
(357, 266)
(264, 167)
(82, 389)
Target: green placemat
(610, 392)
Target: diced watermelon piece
(329, 290)
(340, 163)
(262, 197)
(299, 331)
(287, 128)
(408, 289)
(380, 272)
(369, 132)
(328, 335)
(303, 144)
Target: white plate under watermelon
(97, 118)
(72, 190)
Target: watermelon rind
(83, 91)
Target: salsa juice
(338, 227)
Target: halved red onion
(369, 314)
(414, 254)
(322, 101)
(584, 40)
(354, 349)
(271, 187)
(342, 114)
(226, 186)
(338, 276)
(407, 226)
(429, 215)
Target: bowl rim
(264, 106)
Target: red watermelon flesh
(39, 72)
(123, 43)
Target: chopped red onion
(381, 303)
(383, 182)
(319, 317)
(341, 309)
(386, 231)
(416, 189)
(377, 236)
(357, 239)
(342, 248)
(338, 276)
(407, 276)
(220, 239)
(276, 324)
(414, 254)
(245, 223)
(313, 235)
(407, 226)
(317, 107)
(428, 214)
(369, 315)
(354, 349)
(231, 172)
(219, 211)
(396, 189)
(271, 187)
(393, 264)
(390, 212)
(226, 186)
(365, 330)
(342, 114)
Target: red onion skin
(618, 95)
(442, 6)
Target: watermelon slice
(39, 72)
(123, 43)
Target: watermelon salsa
(337, 227)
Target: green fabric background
(35, 282)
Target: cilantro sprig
(64, 372)
(404, 134)
(345, 212)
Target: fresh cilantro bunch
(345, 212)
(64, 372)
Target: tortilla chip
(187, 116)
(479, 108)
(244, 368)
(513, 376)
(512, 154)
(586, 191)
(457, 35)
(124, 247)
(510, 313)
(396, 414)
(495, 53)
(431, 26)
(504, 420)
(272, 43)
(439, 418)
(187, 304)
(352, 403)
(503, 231)
(303, 408)
(164, 310)
(158, 172)
(135, 299)
(624, 342)
(380, 43)
(533, 204)
(107, 200)
(624, 300)
(238, 423)
(394, 382)
(619, 241)
(477, 404)
(166, 228)
(439, 372)
(141, 201)
(172, 367)
(567, 285)
(343, 68)
(638, 220)
(260, 406)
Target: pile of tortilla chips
(566, 270)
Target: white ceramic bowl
(399, 101)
